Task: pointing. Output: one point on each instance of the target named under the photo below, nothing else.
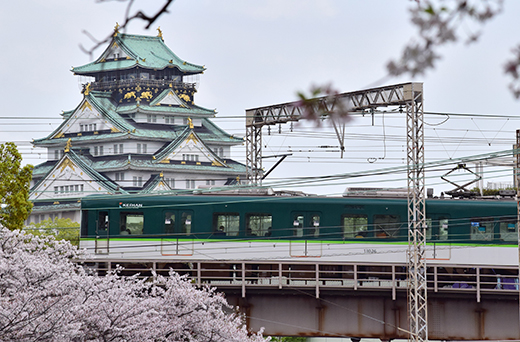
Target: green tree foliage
(289, 339)
(60, 228)
(14, 187)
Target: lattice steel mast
(417, 290)
(406, 95)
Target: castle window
(144, 148)
(115, 148)
(221, 152)
(100, 150)
(81, 127)
(56, 190)
(95, 150)
(138, 181)
(138, 148)
(170, 182)
(190, 184)
(56, 154)
(120, 148)
(120, 176)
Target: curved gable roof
(146, 51)
(100, 101)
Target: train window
(259, 224)
(226, 224)
(481, 229)
(172, 226)
(132, 223)
(355, 226)
(306, 225)
(387, 226)
(508, 229)
(84, 223)
(169, 222)
(443, 229)
(186, 222)
(298, 225)
(102, 226)
(429, 227)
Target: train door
(177, 228)
(437, 234)
(306, 230)
(102, 229)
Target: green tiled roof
(143, 51)
(101, 101)
(45, 206)
(100, 165)
(218, 133)
(182, 137)
(151, 184)
(83, 163)
(191, 110)
(210, 133)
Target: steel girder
(256, 118)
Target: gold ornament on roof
(146, 94)
(129, 95)
(68, 145)
(185, 97)
(190, 123)
(116, 29)
(87, 89)
(159, 33)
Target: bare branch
(127, 19)
(439, 23)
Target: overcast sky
(262, 52)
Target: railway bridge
(362, 300)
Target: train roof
(266, 195)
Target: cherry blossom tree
(45, 296)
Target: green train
(277, 227)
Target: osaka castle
(137, 129)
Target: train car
(344, 229)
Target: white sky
(262, 52)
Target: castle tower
(136, 130)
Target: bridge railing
(250, 275)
